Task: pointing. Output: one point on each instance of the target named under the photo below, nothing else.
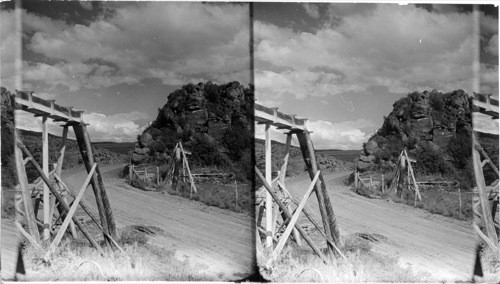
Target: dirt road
(217, 242)
(440, 246)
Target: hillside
(213, 122)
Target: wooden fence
(144, 174)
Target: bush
(131, 236)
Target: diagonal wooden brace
(51, 187)
(289, 215)
(294, 219)
(70, 214)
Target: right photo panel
(376, 142)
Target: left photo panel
(127, 141)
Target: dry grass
(302, 265)
(75, 260)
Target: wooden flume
(277, 202)
(54, 195)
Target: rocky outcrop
(430, 117)
(204, 109)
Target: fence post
(371, 183)
(130, 172)
(356, 180)
(383, 184)
(157, 176)
(146, 175)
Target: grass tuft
(302, 265)
(77, 261)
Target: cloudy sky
(344, 65)
(119, 61)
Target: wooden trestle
(54, 195)
(486, 197)
(279, 199)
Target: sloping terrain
(440, 246)
(218, 242)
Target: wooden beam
(289, 216)
(483, 197)
(26, 196)
(87, 210)
(103, 206)
(269, 199)
(47, 218)
(294, 219)
(266, 115)
(324, 204)
(70, 214)
(58, 197)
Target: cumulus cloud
(120, 127)
(312, 10)
(403, 48)
(347, 135)
(492, 46)
(115, 128)
(175, 42)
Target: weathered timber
(103, 206)
(288, 215)
(325, 207)
(87, 210)
(47, 218)
(26, 195)
(70, 214)
(28, 102)
(483, 197)
(294, 219)
(58, 197)
(265, 115)
(269, 200)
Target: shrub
(131, 236)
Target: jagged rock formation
(206, 118)
(427, 120)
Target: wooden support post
(58, 170)
(130, 172)
(371, 182)
(325, 206)
(70, 214)
(175, 175)
(356, 180)
(25, 193)
(87, 210)
(269, 199)
(294, 219)
(47, 218)
(190, 176)
(58, 197)
(383, 184)
(483, 197)
(102, 201)
(288, 215)
(157, 176)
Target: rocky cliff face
(205, 117)
(421, 120)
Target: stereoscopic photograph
(261, 141)
(370, 107)
(130, 155)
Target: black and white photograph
(249, 141)
(370, 107)
(131, 156)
